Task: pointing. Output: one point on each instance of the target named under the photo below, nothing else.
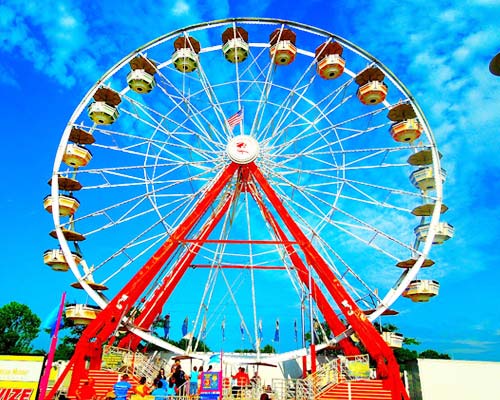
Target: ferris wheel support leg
(333, 321)
(387, 366)
(88, 351)
(153, 306)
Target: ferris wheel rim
(384, 303)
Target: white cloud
(180, 8)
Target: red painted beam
(387, 366)
(303, 273)
(99, 330)
(153, 307)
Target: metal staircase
(344, 378)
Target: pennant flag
(166, 326)
(242, 330)
(235, 119)
(295, 329)
(51, 321)
(260, 329)
(277, 331)
(44, 381)
(185, 327)
(223, 329)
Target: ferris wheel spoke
(316, 212)
(191, 113)
(287, 107)
(321, 115)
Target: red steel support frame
(89, 347)
(154, 306)
(387, 366)
(326, 309)
(102, 328)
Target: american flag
(235, 119)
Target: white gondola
(82, 314)
(55, 259)
(421, 290)
(185, 60)
(444, 231)
(393, 339)
(102, 113)
(423, 178)
(235, 50)
(140, 81)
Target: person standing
(242, 381)
(159, 392)
(142, 389)
(121, 388)
(161, 377)
(180, 380)
(193, 381)
(171, 393)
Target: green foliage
(434, 354)
(245, 351)
(268, 349)
(19, 326)
(404, 355)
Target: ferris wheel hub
(242, 149)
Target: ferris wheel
(246, 172)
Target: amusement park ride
(250, 163)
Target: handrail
(123, 360)
(335, 371)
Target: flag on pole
(185, 327)
(223, 329)
(166, 326)
(242, 330)
(277, 331)
(51, 321)
(260, 329)
(295, 329)
(44, 381)
(235, 119)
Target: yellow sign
(19, 376)
(112, 361)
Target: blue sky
(51, 56)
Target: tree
(268, 349)
(434, 354)
(19, 326)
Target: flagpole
(50, 356)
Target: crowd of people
(165, 385)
